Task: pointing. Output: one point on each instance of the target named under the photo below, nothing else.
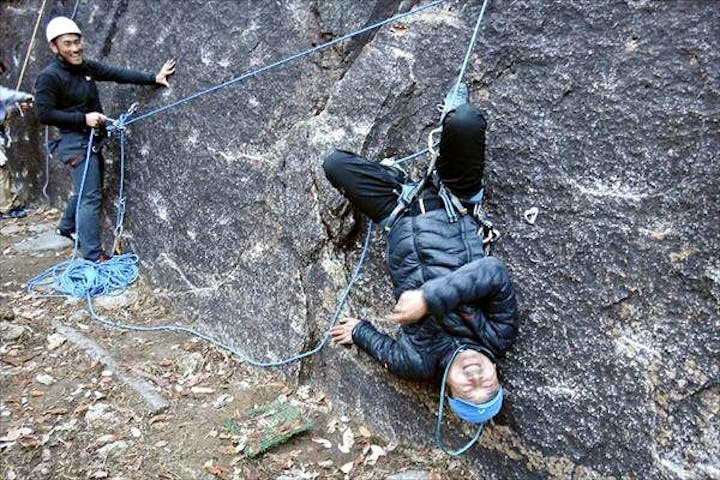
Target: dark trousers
(374, 189)
(87, 223)
(85, 218)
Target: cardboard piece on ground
(267, 426)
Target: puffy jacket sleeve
(109, 73)
(399, 356)
(47, 99)
(484, 283)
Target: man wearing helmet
(456, 307)
(66, 97)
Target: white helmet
(60, 26)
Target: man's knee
(465, 119)
(91, 198)
(336, 163)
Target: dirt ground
(69, 412)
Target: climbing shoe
(454, 99)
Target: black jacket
(64, 93)
(470, 297)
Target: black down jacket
(470, 297)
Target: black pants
(373, 188)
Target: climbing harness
(454, 207)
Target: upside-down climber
(456, 305)
(66, 97)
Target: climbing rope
(75, 8)
(242, 356)
(47, 164)
(280, 63)
(441, 409)
(79, 278)
(82, 279)
(30, 45)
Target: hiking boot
(65, 233)
(15, 212)
(454, 99)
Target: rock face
(603, 115)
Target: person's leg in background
(9, 205)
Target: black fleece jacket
(470, 297)
(64, 93)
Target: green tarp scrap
(267, 426)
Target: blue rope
(242, 356)
(120, 206)
(441, 408)
(470, 48)
(47, 163)
(282, 62)
(74, 9)
(80, 278)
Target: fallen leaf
(29, 442)
(158, 418)
(322, 441)
(56, 411)
(15, 433)
(376, 452)
(347, 467)
(55, 340)
(399, 29)
(218, 470)
(105, 439)
(202, 390)
(435, 475)
(348, 441)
